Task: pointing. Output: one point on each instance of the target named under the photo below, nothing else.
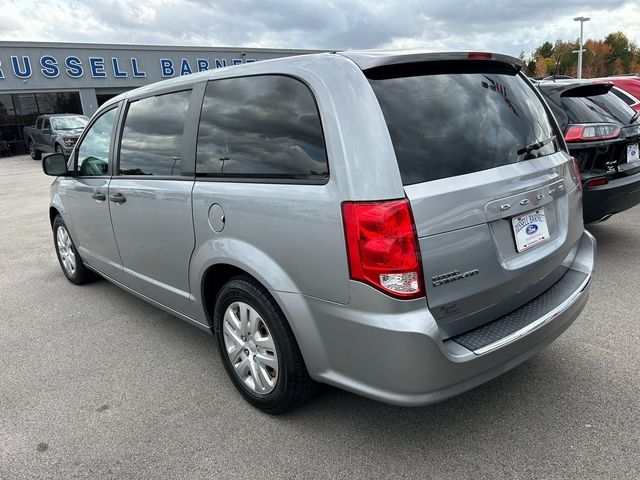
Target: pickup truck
(54, 133)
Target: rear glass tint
(597, 108)
(265, 126)
(450, 124)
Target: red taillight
(382, 247)
(592, 131)
(575, 172)
(597, 182)
(573, 134)
(479, 56)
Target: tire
(58, 149)
(35, 154)
(290, 385)
(68, 255)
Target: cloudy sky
(498, 25)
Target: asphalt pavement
(95, 383)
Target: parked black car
(603, 134)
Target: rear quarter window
(265, 126)
(628, 99)
(449, 124)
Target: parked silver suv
(404, 225)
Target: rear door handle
(99, 196)
(118, 198)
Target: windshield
(451, 124)
(597, 108)
(69, 123)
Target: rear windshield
(449, 124)
(598, 108)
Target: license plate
(530, 229)
(632, 153)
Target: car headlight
(69, 142)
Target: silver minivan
(402, 225)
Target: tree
(545, 50)
(621, 49)
(540, 67)
(613, 55)
(530, 68)
(567, 60)
(617, 68)
(596, 59)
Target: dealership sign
(73, 66)
(36, 66)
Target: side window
(265, 126)
(152, 136)
(47, 124)
(39, 123)
(93, 152)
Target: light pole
(581, 20)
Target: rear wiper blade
(536, 146)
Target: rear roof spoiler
(370, 59)
(575, 89)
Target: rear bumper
(394, 351)
(615, 197)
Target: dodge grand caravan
(402, 225)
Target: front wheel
(59, 149)
(34, 152)
(258, 348)
(68, 256)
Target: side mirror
(54, 164)
(47, 131)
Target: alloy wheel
(66, 251)
(250, 347)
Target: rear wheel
(68, 256)
(34, 152)
(258, 349)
